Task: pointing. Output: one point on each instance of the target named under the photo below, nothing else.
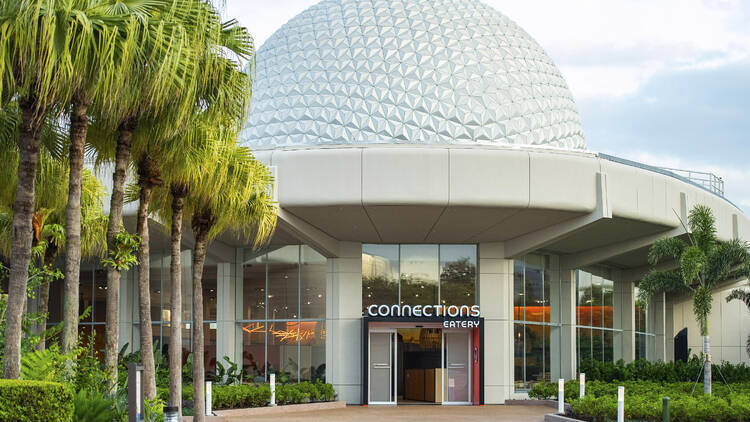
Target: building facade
(444, 234)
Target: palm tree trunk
(199, 374)
(144, 293)
(175, 334)
(29, 143)
(706, 360)
(79, 121)
(49, 259)
(122, 157)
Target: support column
(225, 305)
(496, 304)
(669, 331)
(128, 307)
(344, 322)
(563, 341)
(624, 318)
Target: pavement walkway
(423, 413)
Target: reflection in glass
(419, 274)
(534, 289)
(85, 292)
(518, 356)
(312, 284)
(100, 297)
(283, 283)
(155, 278)
(254, 351)
(209, 349)
(458, 274)
(282, 351)
(380, 270)
(312, 351)
(254, 289)
(518, 302)
(209, 292)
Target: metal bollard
(621, 404)
(171, 414)
(272, 380)
(561, 396)
(209, 411)
(582, 389)
(665, 410)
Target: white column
(669, 331)
(624, 318)
(128, 334)
(657, 311)
(225, 305)
(496, 303)
(564, 346)
(344, 322)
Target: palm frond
(660, 281)
(702, 223)
(669, 247)
(742, 295)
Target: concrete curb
(553, 417)
(531, 402)
(224, 415)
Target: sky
(665, 83)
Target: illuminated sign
(428, 311)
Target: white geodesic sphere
(411, 72)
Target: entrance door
(457, 350)
(382, 367)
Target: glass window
(100, 296)
(312, 284)
(458, 274)
(209, 292)
(209, 348)
(282, 356)
(608, 293)
(312, 351)
(254, 289)
(534, 289)
(419, 274)
(380, 274)
(254, 351)
(85, 293)
(518, 302)
(283, 283)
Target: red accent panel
(475, 366)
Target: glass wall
(644, 338)
(281, 316)
(595, 317)
(536, 313)
(419, 274)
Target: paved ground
(412, 413)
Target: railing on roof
(709, 181)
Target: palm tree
(37, 75)
(165, 64)
(234, 193)
(704, 261)
(50, 201)
(744, 296)
(101, 45)
(219, 93)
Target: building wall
(728, 327)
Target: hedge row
(677, 371)
(247, 395)
(643, 400)
(35, 401)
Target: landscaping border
(554, 417)
(271, 410)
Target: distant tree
(704, 261)
(744, 296)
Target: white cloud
(736, 179)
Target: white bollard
(208, 399)
(272, 381)
(582, 389)
(620, 404)
(561, 396)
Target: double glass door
(383, 367)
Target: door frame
(394, 365)
(477, 397)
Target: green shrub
(93, 407)
(35, 401)
(677, 371)
(291, 394)
(326, 390)
(240, 396)
(311, 389)
(543, 390)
